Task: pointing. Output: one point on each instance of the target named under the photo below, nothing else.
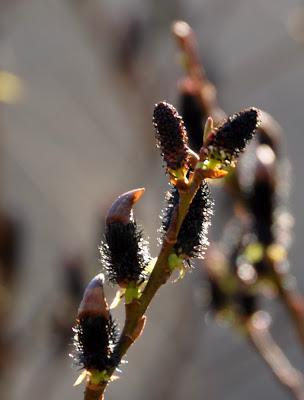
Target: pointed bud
(93, 301)
(124, 252)
(182, 30)
(121, 209)
(208, 128)
(95, 331)
(171, 135)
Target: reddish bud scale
(171, 135)
(124, 252)
(121, 209)
(93, 301)
(95, 331)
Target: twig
(204, 90)
(293, 301)
(159, 276)
(288, 376)
(94, 392)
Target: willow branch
(293, 301)
(94, 392)
(204, 90)
(288, 376)
(136, 309)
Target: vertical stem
(94, 392)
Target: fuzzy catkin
(124, 252)
(95, 337)
(171, 135)
(192, 238)
(193, 118)
(230, 139)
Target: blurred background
(78, 81)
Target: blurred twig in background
(256, 250)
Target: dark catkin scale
(231, 138)
(218, 299)
(192, 238)
(172, 198)
(261, 203)
(171, 135)
(95, 337)
(262, 268)
(246, 304)
(193, 119)
(124, 253)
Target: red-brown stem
(288, 376)
(293, 301)
(94, 392)
(205, 91)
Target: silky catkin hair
(192, 238)
(171, 135)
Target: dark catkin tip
(218, 299)
(171, 135)
(193, 118)
(246, 304)
(94, 340)
(192, 238)
(124, 253)
(231, 138)
(261, 203)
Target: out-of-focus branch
(197, 84)
(94, 392)
(293, 301)
(203, 89)
(260, 337)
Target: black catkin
(192, 238)
(230, 139)
(193, 118)
(95, 332)
(95, 337)
(124, 252)
(261, 203)
(171, 135)
(246, 304)
(218, 299)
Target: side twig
(262, 341)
